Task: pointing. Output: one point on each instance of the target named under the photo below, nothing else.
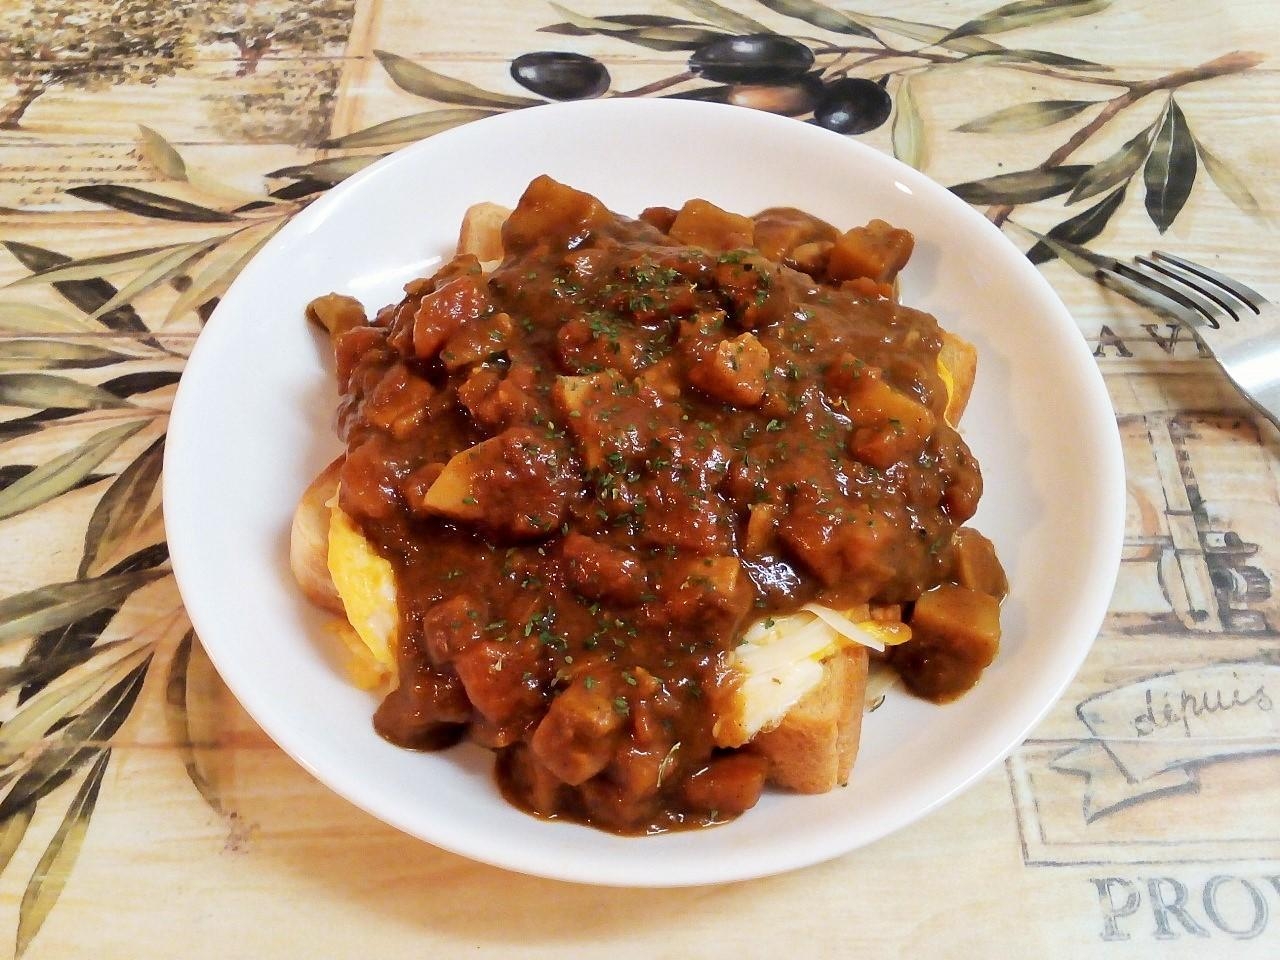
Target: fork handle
(1254, 367)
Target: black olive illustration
(753, 58)
(853, 105)
(788, 99)
(559, 75)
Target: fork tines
(1189, 291)
(1249, 353)
(1247, 295)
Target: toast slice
(481, 231)
(813, 749)
(309, 541)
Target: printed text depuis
(1189, 704)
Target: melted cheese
(780, 660)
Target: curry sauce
(593, 465)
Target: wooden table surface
(148, 146)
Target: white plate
(252, 423)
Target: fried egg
(366, 584)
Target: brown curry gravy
(702, 467)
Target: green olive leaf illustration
(85, 295)
(56, 355)
(144, 203)
(162, 155)
(1117, 168)
(722, 17)
(1023, 186)
(1171, 169)
(69, 749)
(11, 833)
(59, 475)
(89, 268)
(585, 26)
(53, 870)
(72, 642)
(421, 82)
(623, 21)
(22, 426)
(670, 39)
(57, 604)
(221, 267)
(1026, 13)
(1222, 174)
(157, 151)
(40, 391)
(165, 267)
(290, 191)
(656, 33)
(178, 719)
(1081, 228)
(147, 558)
(38, 672)
(1080, 259)
(1026, 116)
(144, 381)
(926, 33)
(48, 772)
(1042, 57)
(11, 473)
(121, 507)
(337, 169)
(907, 131)
(970, 45)
(18, 317)
(66, 697)
(819, 15)
(416, 126)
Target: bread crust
(481, 231)
(309, 541)
(961, 360)
(813, 749)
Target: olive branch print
(92, 413)
(97, 416)
(863, 72)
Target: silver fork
(1239, 326)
